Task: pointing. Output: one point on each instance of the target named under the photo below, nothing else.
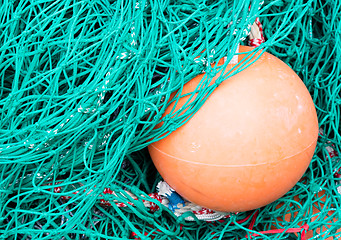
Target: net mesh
(84, 83)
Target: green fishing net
(84, 83)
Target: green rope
(84, 83)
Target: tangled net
(84, 83)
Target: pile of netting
(83, 85)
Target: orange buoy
(249, 143)
(327, 219)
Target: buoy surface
(249, 143)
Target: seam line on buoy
(219, 165)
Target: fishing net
(84, 83)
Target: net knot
(305, 228)
(202, 6)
